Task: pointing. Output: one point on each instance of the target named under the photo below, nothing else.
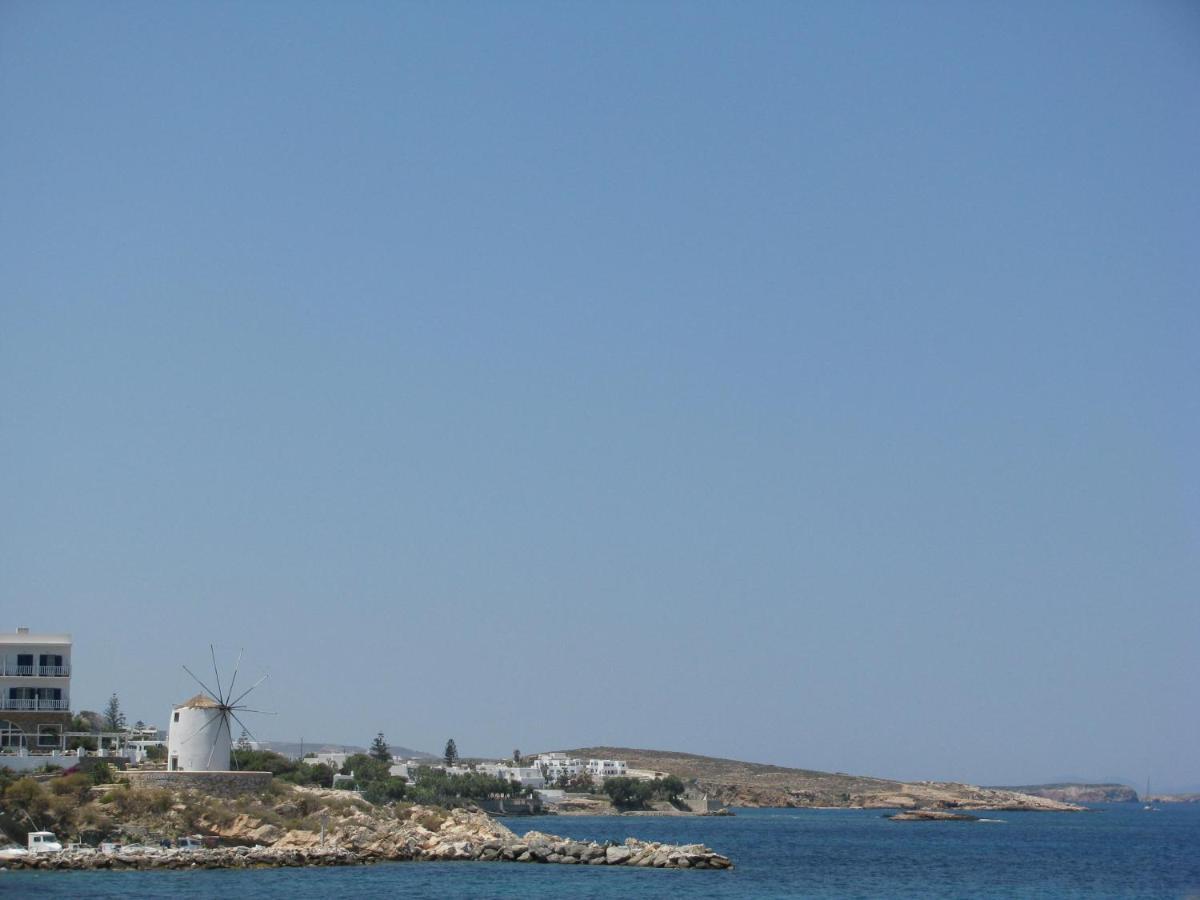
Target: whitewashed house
(555, 765)
(525, 776)
(606, 768)
(334, 759)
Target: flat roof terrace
(24, 636)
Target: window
(176, 719)
(11, 735)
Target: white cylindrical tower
(200, 737)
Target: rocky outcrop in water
(931, 815)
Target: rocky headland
(284, 828)
(735, 783)
(1078, 793)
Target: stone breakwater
(424, 836)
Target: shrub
(284, 769)
(385, 791)
(140, 801)
(430, 819)
(103, 773)
(26, 795)
(77, 785)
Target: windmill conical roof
(200, 701)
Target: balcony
(38, 705)
(35, 671)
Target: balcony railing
(38, 671)
(37, 705)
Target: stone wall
(218, 784)
(699, 802)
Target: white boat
(1149, 807)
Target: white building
(35, 690)
(525, 776)
(334, 759)
(403, 770)
(555, 765)
(606, 768)
(199, 739)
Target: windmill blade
(246, 709)
(213, 749)
(236, 666)
(249, 733)
(217, 672)
(207, 689)
(203, 728)
(248, 690)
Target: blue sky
(804, 383)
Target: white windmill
(201, 734)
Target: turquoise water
(1117, 851)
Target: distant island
(735, 783)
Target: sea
(1115, 850)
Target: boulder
(617, 856)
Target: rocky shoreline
(463, 835)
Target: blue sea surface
(1116, 851)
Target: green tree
(628, 793)
(385, 790)
(380, 749)
(669, 788)
(577, 784)
(366, 769)
(450, 755)
(436, 787)
(516, 757)
(114, 718)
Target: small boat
(1149, 807)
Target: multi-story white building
(526, 776)
(606, 768)
(555, 765)
(35, 690)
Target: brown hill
(737, 783)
